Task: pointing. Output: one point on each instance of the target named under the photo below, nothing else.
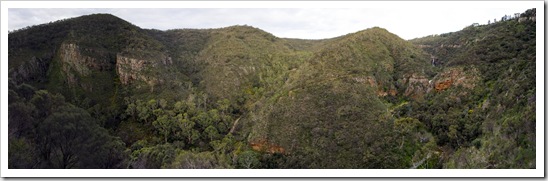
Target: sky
(303, 23)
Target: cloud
(306, 23)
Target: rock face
(73, 62)
(75, 65)
(73, 58)
(264, 146)
(417, 85)
(371, 81)
(129, 68)
(78, 63)
(442, 85)
(132, 70)
(456, 77)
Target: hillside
(328, 110)
(501, 103)
(98, 92)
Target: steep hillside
(489, 122)
(70, 56)
(233, 58)
(329, 110)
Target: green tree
(21, 121)
(406, 127)
(248, 159)
(180, 107)
(159, 156)
(132, 111)
(165, 125)
(206, 119)
(187, 131)
(224, 106)
(195, 160)
(211, 132)
(21, 154)
(71, 138)
(47, 102)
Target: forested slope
(490, 125)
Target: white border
(273, 173)
(539, 94)
(4, 88)
(538, 172)
(267, 4)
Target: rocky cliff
(417, 86)
(131, 70)
(456, 76)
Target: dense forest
(98, 92)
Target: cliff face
(75, 69)
(129, 68)
(417, 85)
(72, 60)
(79, 59)
(80, 65)
(456, 76)
(75, 65)
(132, 70)
(371, 81)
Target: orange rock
(392, 92)
(276, 149)
(381, 93)
(264, 146)
(443, 85)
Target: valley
(99, 92)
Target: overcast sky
(408, 23)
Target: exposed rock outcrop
(72, 61)
(265, 146)
(442, 85)
(75, 65)
(416, 85)
(135, 69)
(456, 77)
(129, 68)
(371, 81)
